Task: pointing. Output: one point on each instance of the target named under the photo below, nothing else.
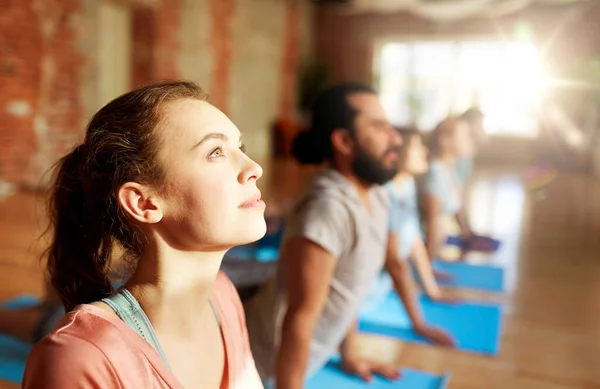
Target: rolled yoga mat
(459, 242)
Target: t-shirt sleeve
(435, 183)
(327, 223)
(68, 362)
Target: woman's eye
(218, 152)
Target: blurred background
(531, 66)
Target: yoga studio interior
(503, 282)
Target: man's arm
(398, 270)
(307, 271)
(400, 273)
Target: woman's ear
(139, 202)
(342, 141)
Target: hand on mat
(365, 369)
(441, 276)
(435, 335)
(480, 243)
(446, 298)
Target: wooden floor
(551, 251)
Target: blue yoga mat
(469, 276)
(331, 376)
(261, 254)
(13, 352)
(459, 242)
(476, 327)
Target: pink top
(93, 349)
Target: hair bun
(306, 149)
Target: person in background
(473, 117)
(404, 221)
(336, 241)
(442, 191)
(161, 177)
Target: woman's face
(210, 198)
(463, 140)
(459, 141)
(414, 156)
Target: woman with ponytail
(442, 188)
(161, 179)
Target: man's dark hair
(331, 110)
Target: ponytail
(79, 254)
(88, 224)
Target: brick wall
(40, 103)
(50, 69)
(155, 42)
(167, 46)
(220, 47)
(143, 35)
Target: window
(422, 82)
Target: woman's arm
(423, 264)
(434, 234)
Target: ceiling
(447, 10)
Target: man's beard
(370, 169)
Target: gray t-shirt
(332, 215)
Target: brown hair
(444, 128)
(121, 145)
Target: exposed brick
(221, 50)
(155, 42)
(166, 47)
(42, 71)
(143, 35)
(32, 33)
(289, 71)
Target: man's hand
(446, 297)
(443, 277)
(435, 335)
(365, 369)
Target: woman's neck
(447, 159)
(401, 179)
(169, 284)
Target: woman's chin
(255, 232)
